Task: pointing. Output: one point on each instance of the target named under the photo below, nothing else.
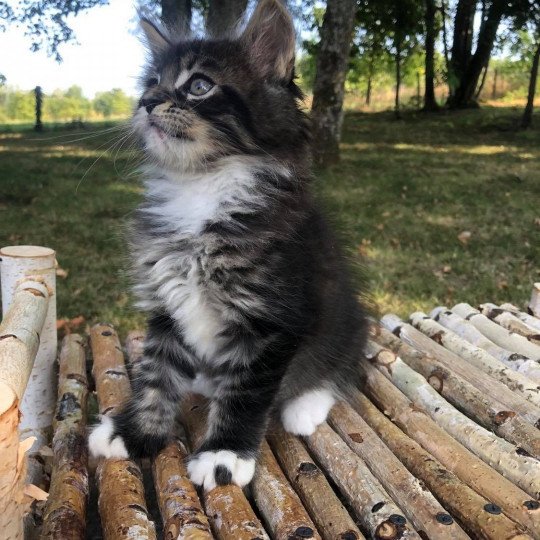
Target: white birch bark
(511, 322)
(495, 333)
(525, 317)
(523, 471)
(467, 331)
(373, 506)
(19, 341)
(515, 380)
(534, 303)
(482, 407)
(469, 372)
(37, 407)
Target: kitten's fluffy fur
(248, 296)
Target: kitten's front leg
(236, 426)
(145, 423)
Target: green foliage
(112, 103)
(63, 105)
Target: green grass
(401, 195)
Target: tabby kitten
(248, 296)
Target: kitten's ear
(156, 40)
(269, 36)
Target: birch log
(37, 407)
(470, 333)
(377, 512)
(513, 501)
(19, 341)
(525, 317)
(277, 502)
(485, 409)
(499, 336)
(330, 516)
(121, 500)
(181, 510)
(179, 504)
(65, 513)
(463, 502)
(230, 513)
(534, 303)
(455, 363)
(419, 505)
(511, 322)
(524, 471)
(478, 357)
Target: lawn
(402, 196)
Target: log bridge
(442, 441)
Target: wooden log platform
(442, 442)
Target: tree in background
(431, 32)
(113, 103)
(329, 85)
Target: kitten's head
(206, 99)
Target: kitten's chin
(174, 153)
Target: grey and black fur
(249, 298)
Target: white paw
(303, 414)
(100, 443)
(202, 468)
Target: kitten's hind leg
(302, 415)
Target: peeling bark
(523, 471)
(469, 372)
(363, 492)
(463, 502)
(279, 505)
(121, 501)
(65, 513)
(500, 336)
(483, 408)
(418, 504)
(454, 456)
(324, 507)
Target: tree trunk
(464, 94)
(39, 101)
(462, 41)
(430, 103)
(526, 120)
(329, 85)
(445, 45)
(397, 111)
(176, 14)
(369, 81)
(482, 82)
(223, 16)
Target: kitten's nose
(150, 103)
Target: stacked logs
(443, 441)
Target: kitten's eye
(200, 87)
(152, 81)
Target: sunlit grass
(401, 196)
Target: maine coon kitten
(249, 299)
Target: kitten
(249, 298)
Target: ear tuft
(156, 40)
(270, 38)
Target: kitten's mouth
(162, 134)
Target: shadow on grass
(401, 196)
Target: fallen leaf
(61, 273)
(464, 237)
(447, 269)
(502, 284)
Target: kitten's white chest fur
(181, 206)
